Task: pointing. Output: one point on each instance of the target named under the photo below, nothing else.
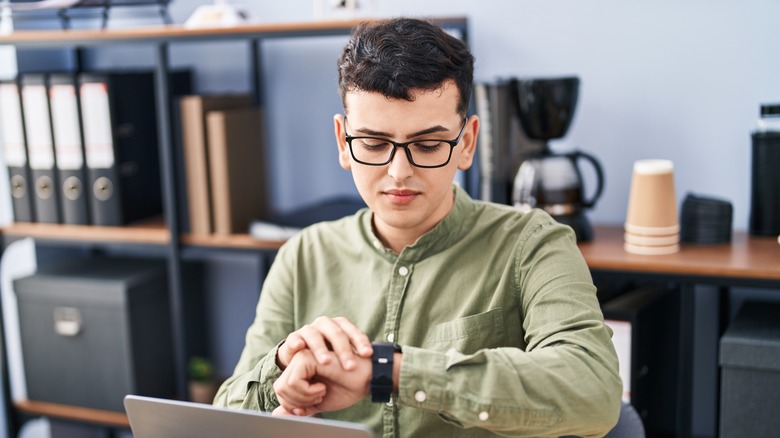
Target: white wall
(662, 78)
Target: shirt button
(483, 416)
(420, 396)
(390, 337)
(403, 270)
(377, 244)
(390, 403)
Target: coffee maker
(548, 180)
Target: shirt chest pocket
(468, 334)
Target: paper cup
(660, 240)
(652, 203)
(651, 250)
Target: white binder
(40, 146)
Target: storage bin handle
(67, 321)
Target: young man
(485, 320)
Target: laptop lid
(161, 418)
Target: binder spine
(68, 148)
(15, 151)
(99, 149)
(35, 105)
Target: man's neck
(396, 239)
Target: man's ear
(341, 141)
(468, 143)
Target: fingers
(344, 338)
(323, 335)
(295, 389)
(319, 336)
(281, 412)
(291, 345)
(358, 340)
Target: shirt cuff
(422, 379)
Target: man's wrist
(279, 363)
(398, 356)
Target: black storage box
(653, 312)
(750, 372)
(95, 330)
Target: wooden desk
(746, 261)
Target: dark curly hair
(396, 56)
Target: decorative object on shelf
(343, 9)
(65, 8)
(202, 385)
(220, 14)
(652, 226)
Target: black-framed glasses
(425, 153)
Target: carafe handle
(599, 176)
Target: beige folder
(193, 109)
(238, 180)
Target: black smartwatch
(382, 371)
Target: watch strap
(382, 372)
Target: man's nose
(400, 167)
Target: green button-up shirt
(495, 310)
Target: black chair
(629, 424)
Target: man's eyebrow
(431, 130)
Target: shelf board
(110, 418)
(151, 232)
(174, 33)
(233, 241)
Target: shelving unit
(166, 233)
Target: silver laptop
(160, 418)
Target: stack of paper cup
(652, 225)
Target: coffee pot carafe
(547, 180)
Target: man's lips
(401, 196)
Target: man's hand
(347, 341)
(307, 387)
(296, 388)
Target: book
(236, 163)
(192, 113)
